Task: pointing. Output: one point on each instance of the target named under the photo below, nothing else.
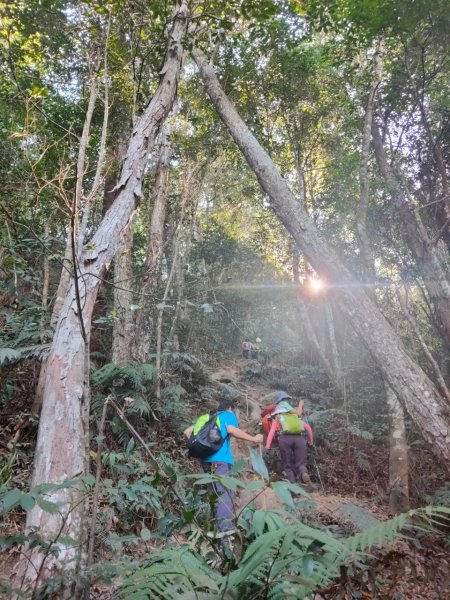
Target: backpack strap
(227, 435)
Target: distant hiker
(292, 430)
(248, 349)
(220, 462)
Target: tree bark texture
(418, 394)
(145, 317)
(398, 455)
(422, 247)
(365, 246)
(123, 331)
(334, 352)
(61, 451)
(66, 272)
(46, 270)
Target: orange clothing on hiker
(266, 421)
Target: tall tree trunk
(365, 246)
(123, 331)
(46, 269)
(67, 270)
(64, 424)
(398, 445)
(144, 326)
(187, 197)
(423, 249)
(334, 352)
(417, 393)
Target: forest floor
(348, 496)
(350, 499)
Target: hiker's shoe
(305, 478)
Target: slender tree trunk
(334, 352)
(423, 249)
(64, 424)
(145, 317)
(46, 270)
(67, 269)
(403, 301)
(365, 246)
(415, 390)
(176, 247)
(398, 445)
(398, 454)
(123, 330)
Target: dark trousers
(224, 507)
(293, 455)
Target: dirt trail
(348, 512)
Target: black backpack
(206, 438)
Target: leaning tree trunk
(418, 394)
(64, 425)
(144, 324)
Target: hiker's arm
(299, 410)
(309, 431)
(188, 431)
(242, 435)
(273, 429)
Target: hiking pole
(317, 468)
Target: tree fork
(64, 426)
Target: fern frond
(176, 571)
(148, 373)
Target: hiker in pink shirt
(291, 442)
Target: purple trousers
(224, 507)
(293, 455)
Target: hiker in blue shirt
(221, 462)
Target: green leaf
(47, 506)
(307, 566)
(68, 541)
(231, 483)
(188, 515)
(296, 489)
(10, 500)
(130, 446)
(145, 534)
(259, 522)
(27, 502)
(237, 466)
(258, 464)
(255, 485)
(89, 480)
(281, 490)
(9, 356)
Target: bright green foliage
(290, 561)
